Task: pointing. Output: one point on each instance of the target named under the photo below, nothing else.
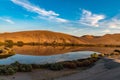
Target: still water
(51, 54)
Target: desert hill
(113, 39)
(40, 37)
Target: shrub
(1, 51)
(15, 63)
(45, 65)
(10, 71)
(20, 43)
(7, 70)
(25, 68)
(87, 62)
(36, 66)
(56, 66)
(9, 43)
(94, 55)
(70, 65)
(117, 51)
(79, 64)
(101, 55)
(22, 67)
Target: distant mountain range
(40, 36)
(112, 39)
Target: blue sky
(76, 17)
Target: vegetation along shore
(80, 63)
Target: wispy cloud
(54, 19)
(7, 20)
(98, 20)
(40, 11)
(90, 19)
(113, 23)
(106, 31)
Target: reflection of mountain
(105, 50)
(43, 50)
(50, 50)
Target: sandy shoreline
(105, 69)
(39, 74)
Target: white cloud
(90, 19)
(106, 31)
(98, 20)
(7, 20)
(61, 20)
(41, 12)
(113, 23)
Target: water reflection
(46, 59)
(54, 50)
(51, 54)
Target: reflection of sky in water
(46, 59)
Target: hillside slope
(113, 39)
(40, 37)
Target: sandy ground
(105, 69)
(42, 74)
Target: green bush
(36, 66)
(101, 55)
(70, 65)
(7, 70)
(25, 68)
(16, 64)
(10, 71)
(22, 67)
(94, 55)
(56, 66)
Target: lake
(52, 54)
